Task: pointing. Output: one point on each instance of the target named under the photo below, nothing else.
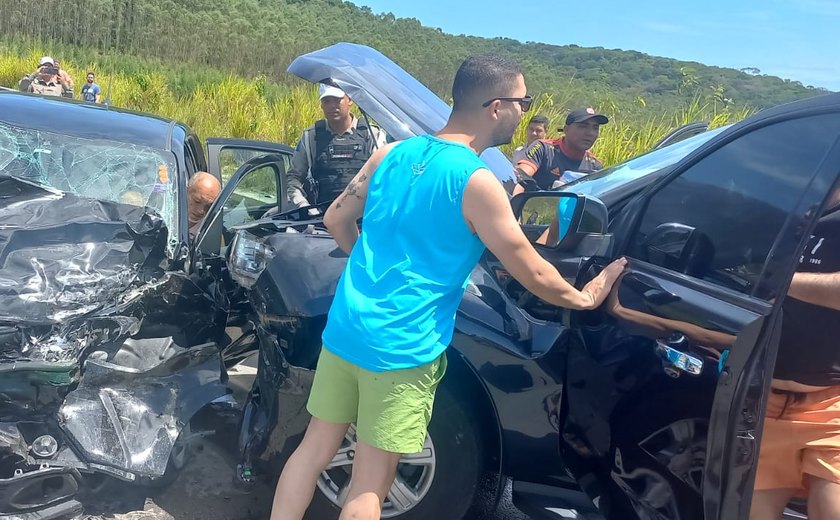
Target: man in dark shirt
(800, 446)
(547, 161)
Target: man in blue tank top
(430, 208)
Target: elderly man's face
(199, 199)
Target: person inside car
(202, 190)
(46, 80)
(800, 445)
(546, 161)
(430, 208)
(331, 152)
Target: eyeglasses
(524, 102)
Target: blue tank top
(395, 303)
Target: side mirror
(679, 248)
(563, 220)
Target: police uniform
(324, 162)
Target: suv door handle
(674, 358)
(650, 291)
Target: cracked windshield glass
(99, 169)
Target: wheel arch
(463, 380)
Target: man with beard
(331, 152)
(430, 208)
(91, 91)
(546, 161)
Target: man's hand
(487, 210)
(600, 286)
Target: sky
(793, 39)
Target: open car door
(254, 190)
(667, 382)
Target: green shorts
(391, 409)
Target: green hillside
(202, 39)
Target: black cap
(582, 114)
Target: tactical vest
(338, 158)
(47, 89)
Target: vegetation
(220, 66)
(233, 106)
(261, 37)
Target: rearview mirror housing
(563, 220)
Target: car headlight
(249, 254)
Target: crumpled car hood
(399, 103)
(63, 256)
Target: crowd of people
(49, 79)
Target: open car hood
(400, 104)
(63, 256)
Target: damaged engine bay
(107, 346)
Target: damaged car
(650, 407)
(113, 327)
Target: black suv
(648, 407)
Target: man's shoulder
(594, 159)
(539, 149)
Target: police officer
(331, 152)
(46, 80)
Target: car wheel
(439, 482)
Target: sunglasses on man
(524, 102)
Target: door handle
(674, 358)
(650, 291)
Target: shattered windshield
(98, 169)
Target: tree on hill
(254, 37)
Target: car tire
(458, 468)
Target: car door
(666, 383)
(263, 190)
(252, 192)
(226, 155)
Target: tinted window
(231, 158)
(720, 218)
(255, 194)
(615, 176)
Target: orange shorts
(801, 437)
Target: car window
(231, 158)
(190, 158)
(255, 194)
(95, 168)
(638, 167)
(719, 219)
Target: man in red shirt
(546, 161)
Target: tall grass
(632, 130)
(254, 108)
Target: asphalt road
(204, 489)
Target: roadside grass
(226, 105)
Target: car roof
(88, 120)
(825, 102)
